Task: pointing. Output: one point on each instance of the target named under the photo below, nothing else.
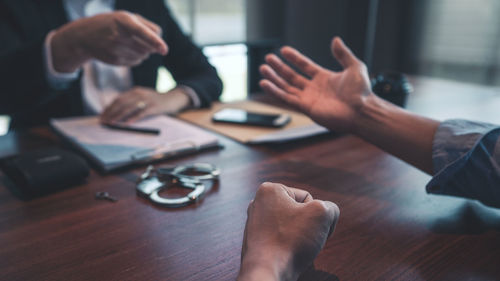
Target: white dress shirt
(101, 82)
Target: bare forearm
(406, 135)
(266, 264)
(256, 273)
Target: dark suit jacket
(24, 91)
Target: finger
(302, 62)
(142, 44)
(128, 54)
(134, 26)
(121, 56)
(153, 26)
(137, 45)
(333, 213)
(272, 76)
(286, 72)
(343, 54)
(301, 196)
(267, 188)
(118, 108)
(271, 88)
(138, 115)
(109, 111)
(131, 111)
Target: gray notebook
(111, 149)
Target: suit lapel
(53, 13)
(38, 16)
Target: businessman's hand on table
(332, 99)
(117, 38)
(285, 230)
(140, 102)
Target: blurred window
(231, 63)
(211, 21)
(461, 40)
(218, 26)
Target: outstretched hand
(343, 102)
(117, 38)
(330, 98)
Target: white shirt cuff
(57, 80)
(195, 100)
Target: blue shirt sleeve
(466, 159)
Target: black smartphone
(240, 116)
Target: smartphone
(240, 116)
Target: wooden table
(389, 228)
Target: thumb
(342, 53)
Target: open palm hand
(330, 98)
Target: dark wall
(265, 19)
(397, 35)
(310, 25)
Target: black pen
(151, 131)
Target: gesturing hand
(118, 38)
(330, 98)
(140, 102)
(285, 231)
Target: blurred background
(219, 26)
(450, 39)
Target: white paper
(113, 147)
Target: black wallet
(40, 172)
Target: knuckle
(266, 188)
(307, 195)
(319, 208)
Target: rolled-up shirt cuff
(195, 100)
(56, 79)
(466, 161)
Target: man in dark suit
(73, 57)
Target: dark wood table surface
(389, 228)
